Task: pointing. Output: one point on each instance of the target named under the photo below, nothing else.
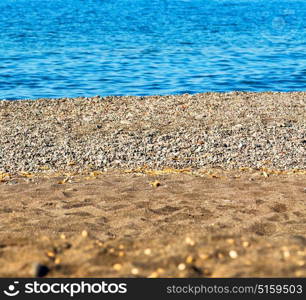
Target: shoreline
(226, 93)
(211, 130)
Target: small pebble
(148, 251)
(286, 254)
(189, 259)
(153, 275)
(84, 233)
(57, 261)
(233, 254)
(135, 271)
(230, 241)
(189, 241)
(51, 254)
(181, 267)
(245, 244)
(117, 267)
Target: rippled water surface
(65, 48)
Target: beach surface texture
(209, 185)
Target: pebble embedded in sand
(147, 251)
(286, 253)
(50, 254)
(189, 241)
(153, 275)
(189, 259)
(204, 256)
(301, 263)
(57, 261)
(117, 267)
(84, 233)
(121, 253)
(135, 271)
(233, 254)
(245, 244)
(299, 273)
(230, 241)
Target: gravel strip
(227, 130)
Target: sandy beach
(209, 185)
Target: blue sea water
(67, 48)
